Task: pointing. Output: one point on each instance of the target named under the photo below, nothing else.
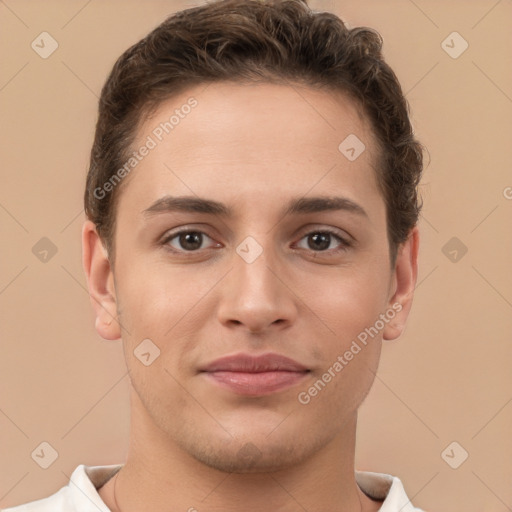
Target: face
(226, 246)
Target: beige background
(447, 379)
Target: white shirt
(81, 493)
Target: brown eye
(186, 241)
(190, 241)
(321, 241)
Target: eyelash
(345, 244)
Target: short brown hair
(257, 40)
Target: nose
(256, 297)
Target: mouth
(262, 375)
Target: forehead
(255, 112)
(234, 140)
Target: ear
(403, 283)
(100, 281)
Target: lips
(254, 364)
(249, 375)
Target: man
(251, 237)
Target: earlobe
(404, 281)
(100, 281)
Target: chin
(253, 453)
(248, 459)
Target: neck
(159, 475)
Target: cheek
(151, 298)
(347, 305)
(167, 307)
(348, 344)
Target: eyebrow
(303, 205)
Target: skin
(188, 435)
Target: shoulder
(60, 501)
(79, 495)
(387, 488)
